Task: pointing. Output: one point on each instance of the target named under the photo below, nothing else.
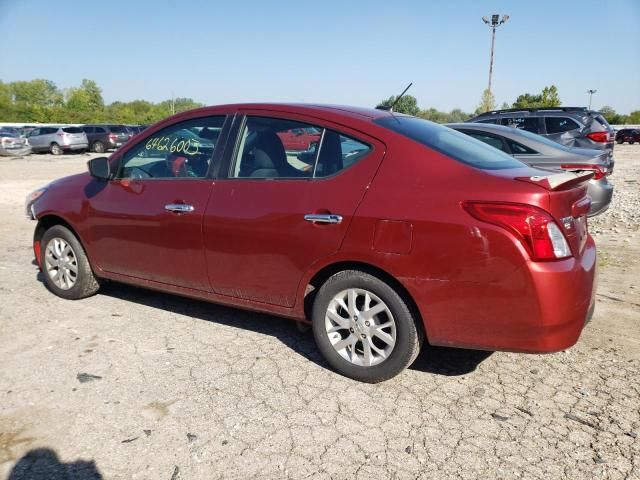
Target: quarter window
(560, 124)
(495, 142)
(182, 150)
(519, 149)
(277, 148)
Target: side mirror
(99, 168)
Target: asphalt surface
(137, 384)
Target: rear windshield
(72, 130)
(454, 144)
(118, 129)
(6, 133)
(602, 121)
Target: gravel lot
(137, 384)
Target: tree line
(548, 97)
(41, 101)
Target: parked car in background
(135, 129)
(570, 126)
(12, 143)
(424, 231)
(299, 139)
(58, 140)
(103, 137)
(540, 152)
(630, 135)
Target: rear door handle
(178, 208)
(323, 218)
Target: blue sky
(355, 52)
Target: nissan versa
(386, 232)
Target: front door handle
(178, 208)
(323, 218)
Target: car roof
(306, 108)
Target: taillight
(533, 227)
(112, 136)
(598, 170)
(61, 134)
(600, 137)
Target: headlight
(31, 199)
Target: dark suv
(631, 135)
(105, 137)
(570, 126)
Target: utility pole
(173, 104)
(591, 92)
(494, 22)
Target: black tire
(631, 142)
(98, 147)
(55, 149)
(409, 335)
(620, 142)
(86, 283)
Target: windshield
(454, 144)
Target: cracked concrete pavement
(137, 384)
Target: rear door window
(560, 124)
(118, 129)
(72, 130)
(276, 148)
(449, 142)
(530, 124)
(101, 130)
(87, 129)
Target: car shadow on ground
(43, 464)
(435, 360)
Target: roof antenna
(389, 108)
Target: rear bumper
(601, 193)
(76, 146)
(540, 308)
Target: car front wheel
(65, 265)
(364, 328)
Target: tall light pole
(494, 22)
(591, 92)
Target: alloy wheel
(360, 327)
(61, 263)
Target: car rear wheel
(56, 149)
(620, 142)
(98, 147)
(65, 265)
(364, 328)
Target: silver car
(541, 152)
(57, 140)
(12, 144)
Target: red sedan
(389, 231)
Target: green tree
(612, 117)
(85, 101)
(407, 104)
(547, 98)
(487, 102)
(634, 118)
